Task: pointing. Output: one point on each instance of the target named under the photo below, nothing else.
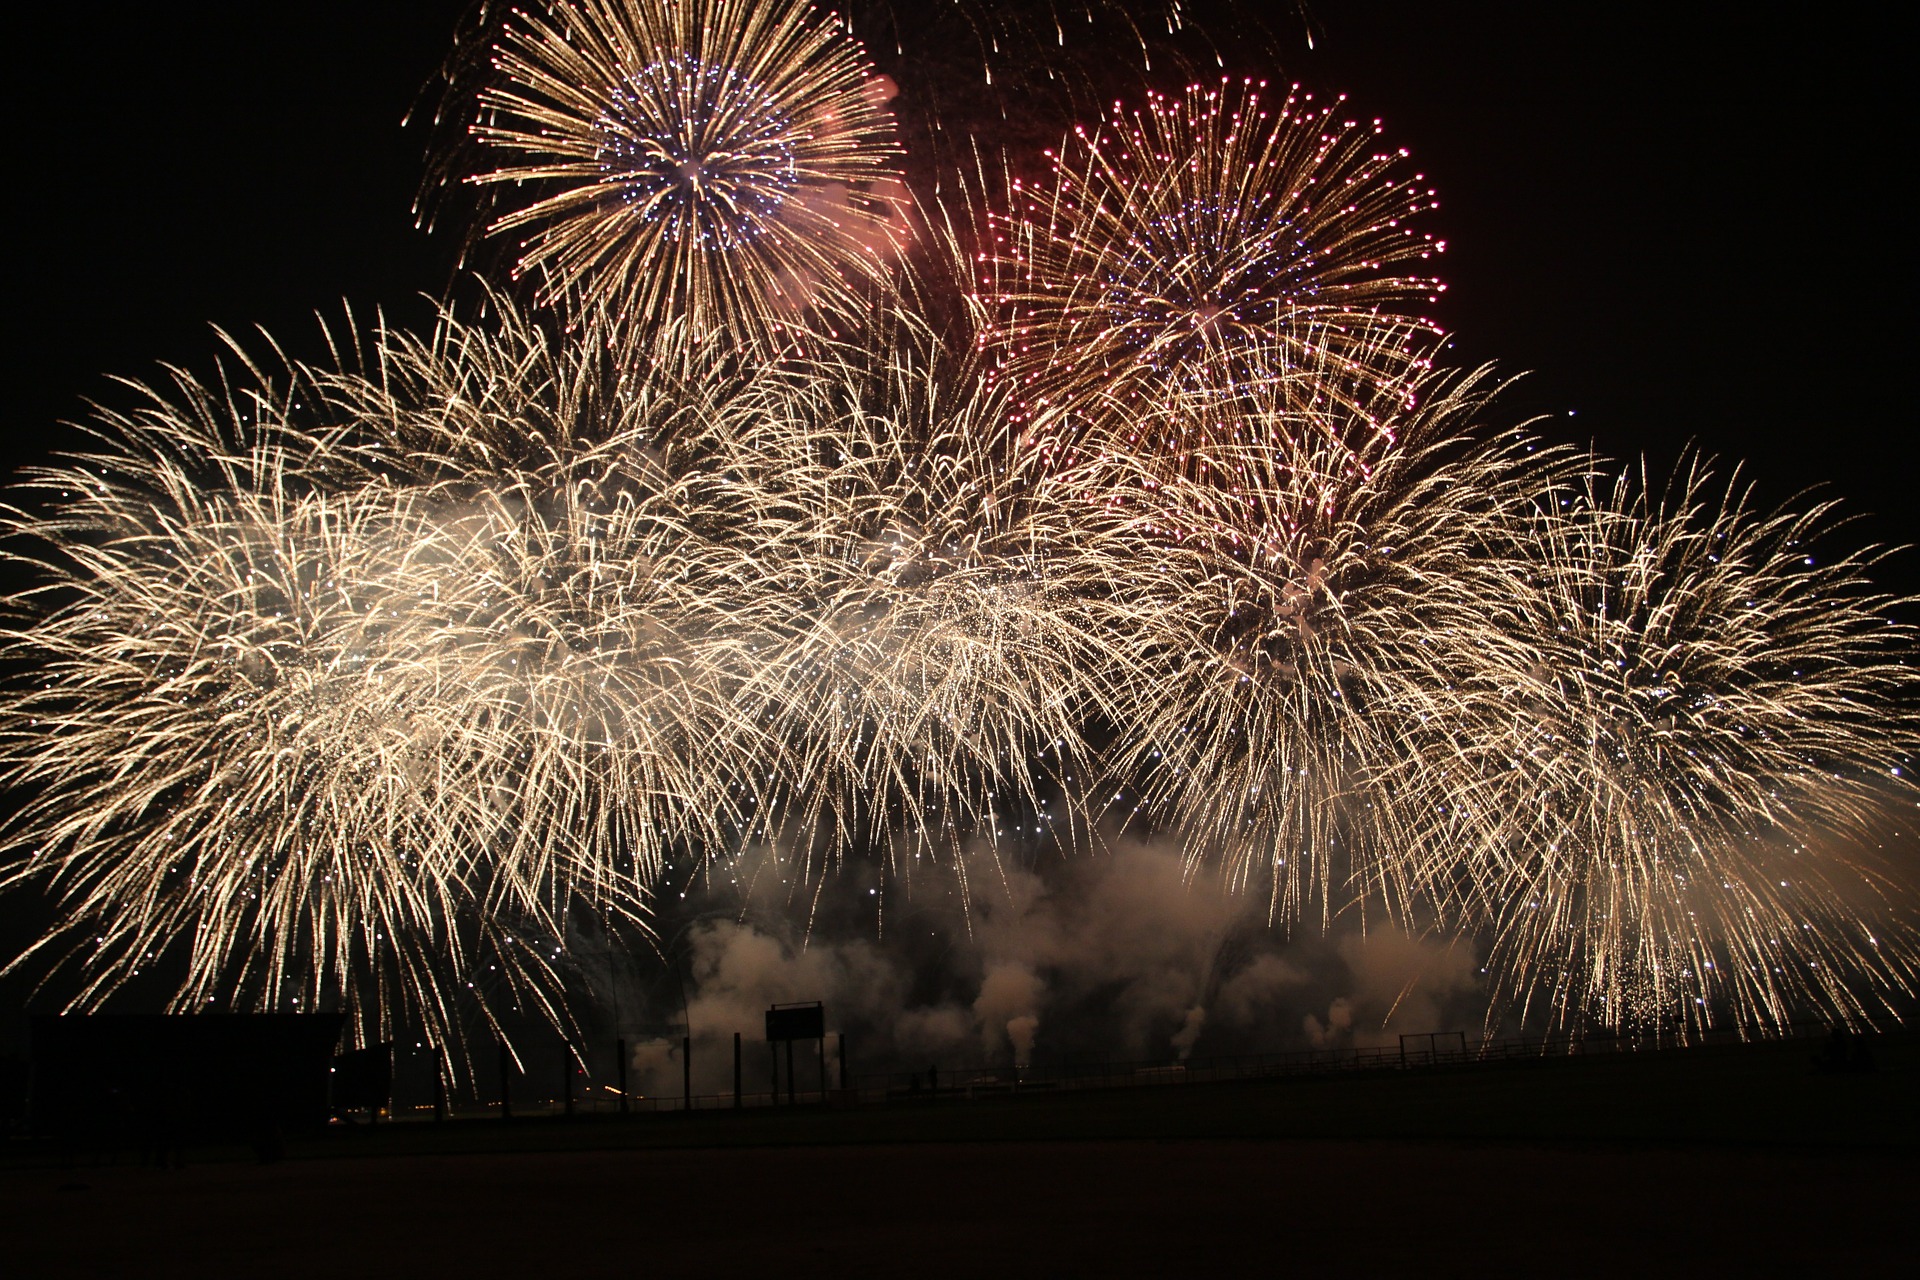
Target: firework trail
(1213, 240)
(1712, 732)
(927, 674)
(977, 74)
(239, 734)
(1295, 627)
(726, 163)
(364, 709)
(548, 481)
(364, 682)
(509, 631)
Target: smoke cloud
(1124, 956)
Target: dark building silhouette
(160, 1081)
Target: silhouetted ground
(1179, 1208)
(1706, 1161)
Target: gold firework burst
(1709, 737)
(727, 163)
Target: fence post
(686, 1073)
(737, 1104)
(621, 1046)
(566, 1074)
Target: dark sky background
(1682, 218)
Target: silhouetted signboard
(797, 1021)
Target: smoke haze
(1122, 955)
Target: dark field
(1708, 1161)
(976, 1209)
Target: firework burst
(926, 674)
(1295, 624)
(357, 707)
(240, 733)
(723, 162)
(1210, 241)
(1711, 733)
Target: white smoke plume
(1125, 956)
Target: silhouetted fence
(594, 1092)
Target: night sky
(1684, 225)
